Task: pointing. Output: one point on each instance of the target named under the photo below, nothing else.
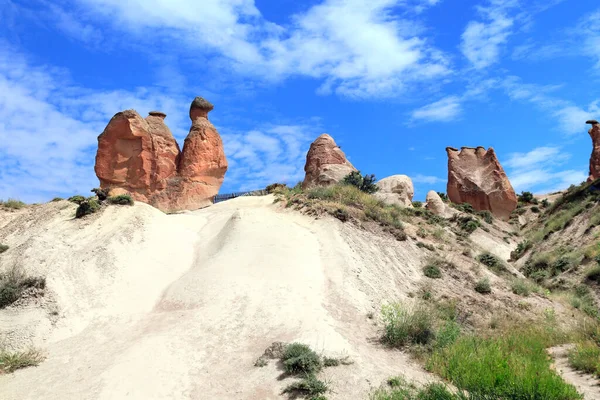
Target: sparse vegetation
(417, 204)
(492, 262)
(87, 207)
(309, 386)
(526, 197)
(77, 199)
(520, 287)
(364, 183)
(122, 199)
(399, 389)
(464, 207)
(14, 282)
(406, 325)
(272, 188)
(11, 361)
(586, 357)
(593, 274)
(12, 204)
(483, 286)
(3, 248)
(467, 223)
(54, 200)
(443, 196)
(102, 194)
(299, 358)
(487, 216)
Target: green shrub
(14, 282)
(341, 214)
(122, 199)
(102, 194)
(274, 187)
(299, 358)
(400, 390)
(468, 223)
(12, 203)
(512, 365)
(525, 197)
(309, 386)
(545, 203)
(3, 248)
(586, 357)
(432, 271)
(464, 207)
(535, 209)
(365, 183)
(443, 196)
(417, 204)
(593, 274)
(520, 287)
(405, 325)
(54, 200)
(491, 261)
(483, 286)
(87, 207)
(77, 199)
(487, 216)
(12, 361)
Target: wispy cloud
(539, 170)
(446, 109)
(420, 178)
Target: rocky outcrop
(475, 176)
(396, 189)
(141, 157)
(435, 204)
(595, 158)
(326, 163)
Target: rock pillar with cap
(595, 157)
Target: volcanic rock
(396, 189)
(475, 176)
(326, 163)
(141, 157)
(595, 157)
(434, 203)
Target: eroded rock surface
(141, 157)
(326, 163)
(435, 204)
(396, 189)
(595, 157)
(475, 176)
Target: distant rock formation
(435, 204)
(141, 157)
(326, 163)
(396, 189)
(595, 158)
(475, 176)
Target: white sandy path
(243, 275)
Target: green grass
(122, 199)
(12, 361)
(309, 386)
(399, 389)
(299, 358)
(3, 248)
(513, 365)
(406, 325)
(523, 287)
(586, 357)
(14, 282)
(483, 286)
(12, 203)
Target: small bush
(102, 194)
(299, 358)
(417, 204)
(12, 203)
(77, 199)
(309, 386)
(3, 248)
(483, 286)
(525, 197)
(122, 199)
(520, 287)
(468, 223)
(341, 214)
(364, 183)
(464, 207)
(493, 262)
(593, 274)
(275, 187)
(87, 207)
(432, 271)
(14, 282)
(12, 361)
(443, 196)
(487, 216)
(545, 203)
(535, 209)
(54, 200)
(421, 232)
(586, 357)
(405, 325)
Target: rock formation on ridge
(396, 189)
(326, 163)
(595, 157)
(141, 157)
(434, 203)
(475, 176)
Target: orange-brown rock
(141, 157)
(475, 176)
(326, 163)
(595, 158)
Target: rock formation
(595, 158)
(396, 189)
(476, 177)
(141, 157)
(326, 163)
(435, 204)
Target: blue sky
(393, 81)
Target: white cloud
(446, 109)
(482, 41)
(355, 48)
(539, 170)
(419, 178)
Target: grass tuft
(406, 325)
(483, 286)
(14, 282)
(299, 358)
(13, 204)
(122, 199)
(12, 361)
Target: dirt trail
(586, 384)
(242, 275)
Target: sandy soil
(586, 384)
(142, 305)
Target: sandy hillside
(144, 305)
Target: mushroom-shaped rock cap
(200, 108)
(591, 122)
(158, 114)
